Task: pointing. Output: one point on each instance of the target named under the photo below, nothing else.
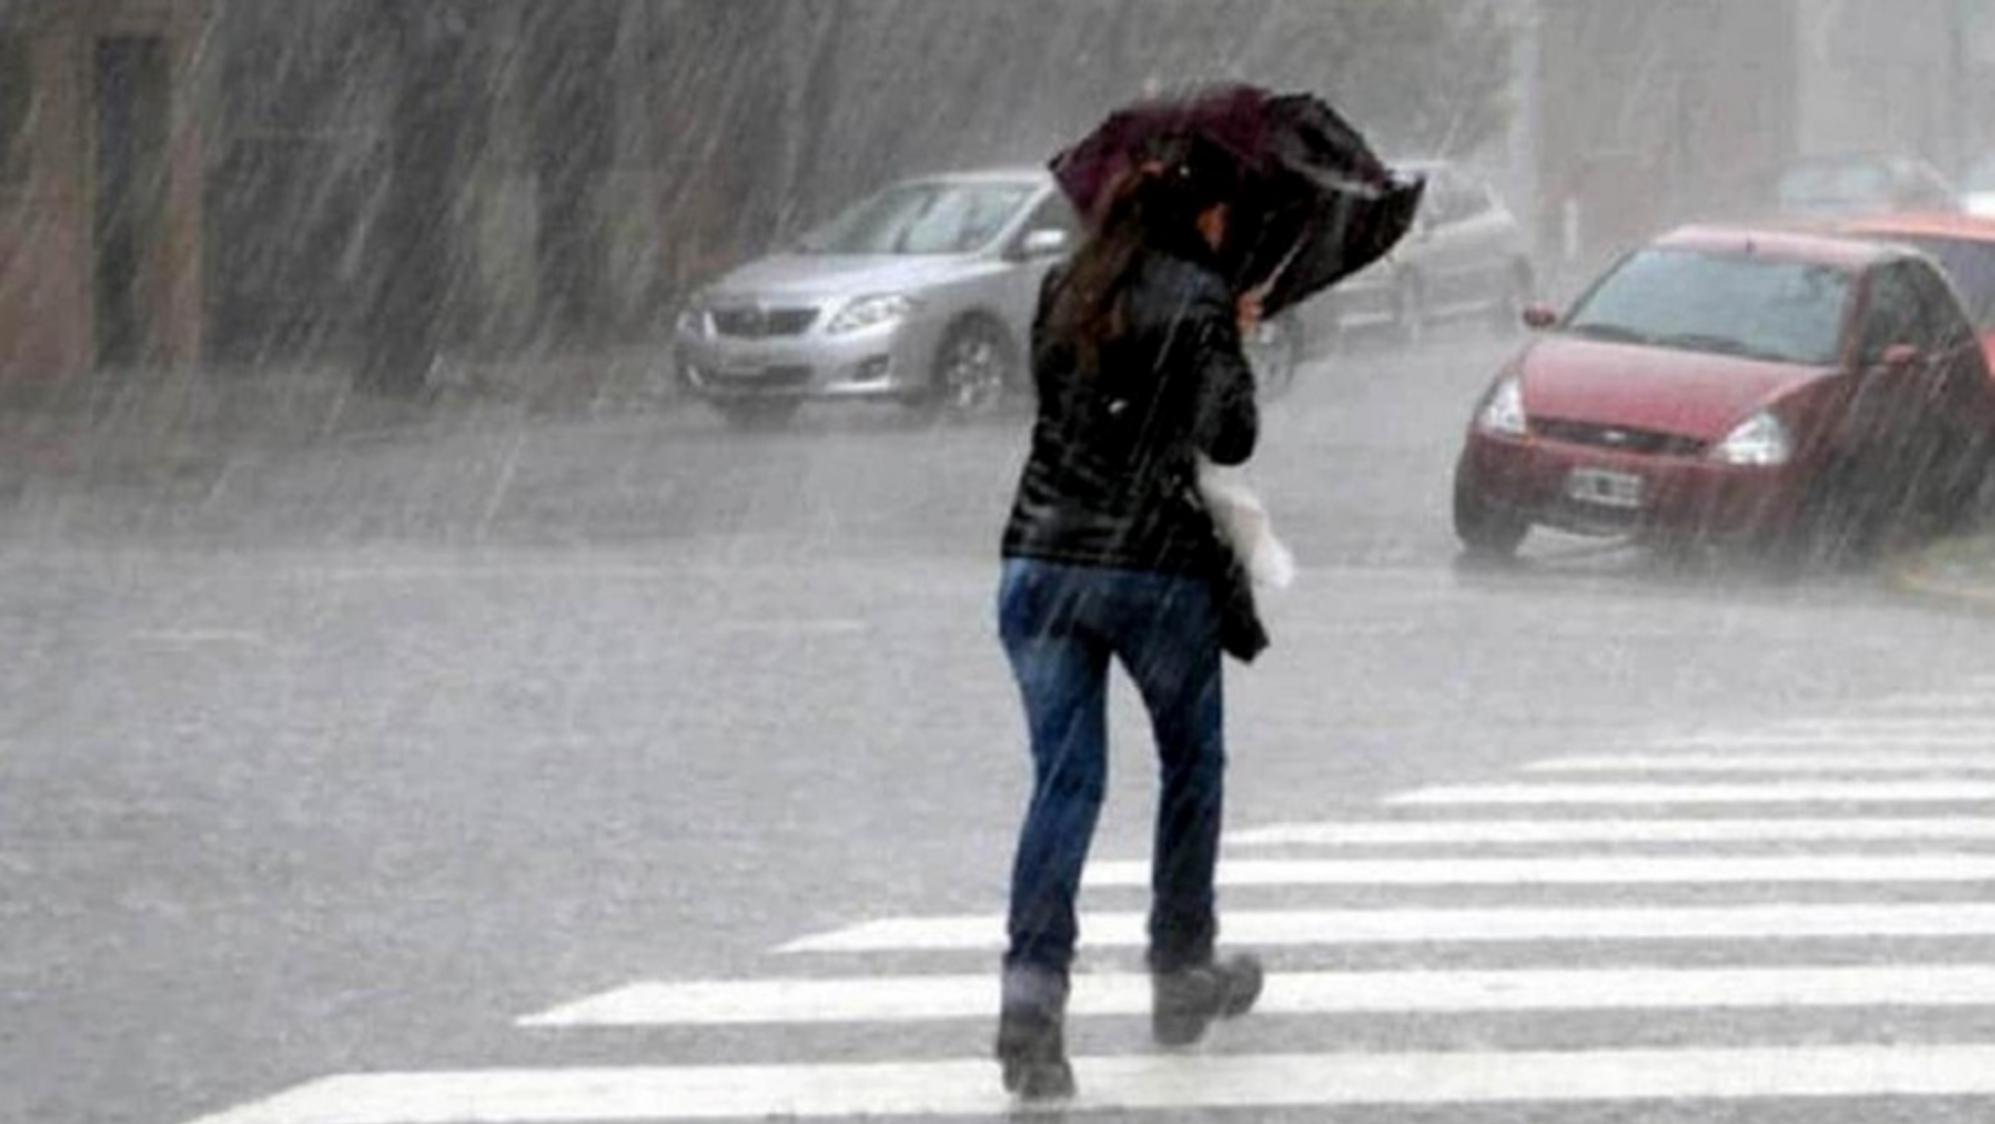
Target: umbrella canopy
(1315, 203)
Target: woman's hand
(1248, 311)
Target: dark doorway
(570, 68)
(133, 92)
(434, 136)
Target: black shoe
(1033, 1052)
(1031, 1045)
(1183, 1003)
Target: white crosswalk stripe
(1335, 927)
(1781, 792)
(1152, 1081)
(938, 997)
(1586, 870)
(1421, 833)
(1637, 829)
(1768, 763)
(1860, 738)
(1888, 726)
(1932, 702)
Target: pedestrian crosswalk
(1831, 876)
(959, 1088)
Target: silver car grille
(757, 323)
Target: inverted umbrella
(1315, 203)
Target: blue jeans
(1060, 626)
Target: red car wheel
(1486, 529)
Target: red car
(1755, 386)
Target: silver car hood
(817, 278)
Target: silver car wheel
(970, 379)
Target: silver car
(1466, 255)
(920, 294)
(1854, 184)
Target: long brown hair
(1153, 206)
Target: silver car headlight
(1504, 413)
(872, 311)
(693, 314)
(1761, 441)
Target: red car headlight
(1760, 441)
(1503, 412)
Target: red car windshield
(1727, 304)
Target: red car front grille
(1619, 438)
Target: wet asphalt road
(342, 759)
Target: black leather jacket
(1110, 478)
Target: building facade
(101, 183)
(375, 182)
(1637, 116)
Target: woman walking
(1110, 557)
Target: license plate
(1604, 487)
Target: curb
(1925, 574)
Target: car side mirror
(1901, 357)
(1046, 242)
(1539, 317)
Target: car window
(1889, 309)
(1438, 205)
(1925, 187)
(1910, 304)
(922, 218)
(1891, 313)
(1970, 265)
(1055, 213)
(1729, 304)
(1477, 200)
(1452, 201)
(1945, 323)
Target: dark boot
(1031, 1044)
(1184, 1002)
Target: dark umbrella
(1315, 206)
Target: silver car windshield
(1814, 186)
(922, 218)
(1981, 177)
(1786, 312)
